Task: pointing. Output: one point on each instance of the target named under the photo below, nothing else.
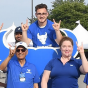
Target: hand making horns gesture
(56, 26)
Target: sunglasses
(22, 50)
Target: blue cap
(18, 29)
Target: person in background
(21, 74)
(65, 70)
(17, 36)
(42, 32)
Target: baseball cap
(18, 29)
(21, 44)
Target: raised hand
(80, 48)
(12, 52)
(56, 26)
(25, 26)
(1, 26)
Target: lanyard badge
(22, 77)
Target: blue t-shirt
(64, 76)
(28, 73)
(42, 36)
(86, 79)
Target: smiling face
(42, 15)
(21, 53)
(66, 48)
(18, 36)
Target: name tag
(22, 77)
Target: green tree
(59, 2)
(69, 13)
(34, 19)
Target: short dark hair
(65, 38)
(39, 6)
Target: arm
(1, 26)
(24, 33)
(5, 62)
(86, 86)
(45, 79)
(56, 27)
(84, 66)
(35, 85)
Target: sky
(17, 11)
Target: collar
(72, 58)
(17, 63)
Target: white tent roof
(82, 35)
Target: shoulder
(49, 21)
(49, 24)
(52, 61)
(31, 65)
(12, 62)
(77, 61)
(35, 24)
(50, 64)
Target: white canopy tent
(81, 34)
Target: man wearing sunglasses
(21, 74)
(42, 32)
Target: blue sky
(17, 11)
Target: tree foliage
(69, 13)
(32, 20)
(59, 2)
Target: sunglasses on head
(22, 50)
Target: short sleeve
(54, 34)
(79, 62)
(86, 79)
(8, 65)
(29, 35)
(49, 65)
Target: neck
(22, 62)
(68, 58)
(41, 24)
(64, 60)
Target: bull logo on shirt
(42, 38)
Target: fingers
(12, 51)
(54, 21)
(1, 26)
(60, 22)
(21, 23)
(27, 22)
(82, 44)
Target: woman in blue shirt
(65, 70)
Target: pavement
(80, 80)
